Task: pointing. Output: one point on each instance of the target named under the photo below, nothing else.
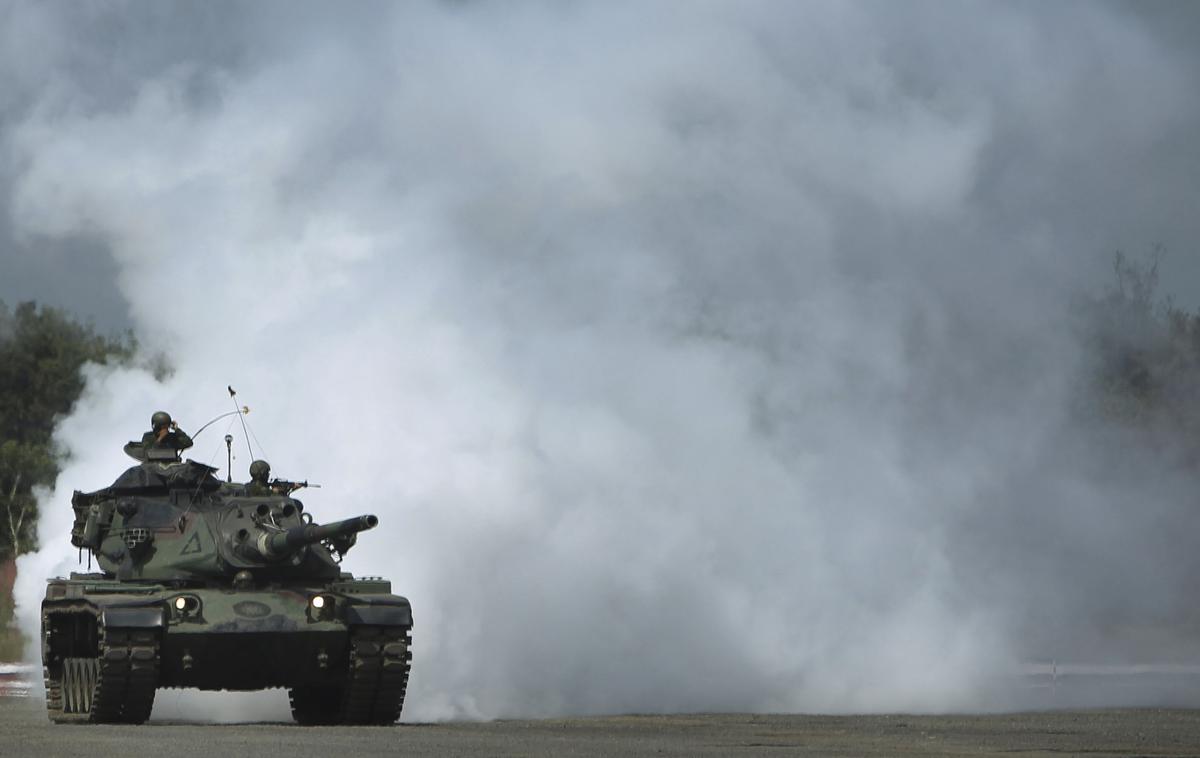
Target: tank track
(379, 663)
(375, 685)
(116, 686)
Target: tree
(42, 352)
(22, 466)
(1144, 370)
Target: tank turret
(177, 522)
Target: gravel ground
(24, 731)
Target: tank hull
(342, 648)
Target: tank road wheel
(376, 681)
(79, 679)
(70, 663)
(95, 675)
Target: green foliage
(41, 353)
(1145, 353)
(12, 642)
(22, 467)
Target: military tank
(211, 585)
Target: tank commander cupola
(162, 443)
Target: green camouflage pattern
(211, 585)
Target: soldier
(261, 485)
(165, 433)
(260, 475)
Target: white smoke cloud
(691, 355)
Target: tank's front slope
(256, 639)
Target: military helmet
(159, 420)
(260, 470)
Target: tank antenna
(229, 458)
(242, 418)
(243, 410)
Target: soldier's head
(160, 420)
(260, 471)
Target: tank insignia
(193, 545)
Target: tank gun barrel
(279, 544)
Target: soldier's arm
(182, 440)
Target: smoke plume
(695, 356)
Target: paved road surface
(24, 731)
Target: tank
(203, 585)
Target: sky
(1136, 197)
(695, 356)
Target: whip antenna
(243, 410)
(242, 418)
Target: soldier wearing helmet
(260, 484)
(260, 475)
(165, 434)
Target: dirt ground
(25, 731)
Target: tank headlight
(318, 602)
(186, 605)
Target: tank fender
(379, 615)
(143, 617)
